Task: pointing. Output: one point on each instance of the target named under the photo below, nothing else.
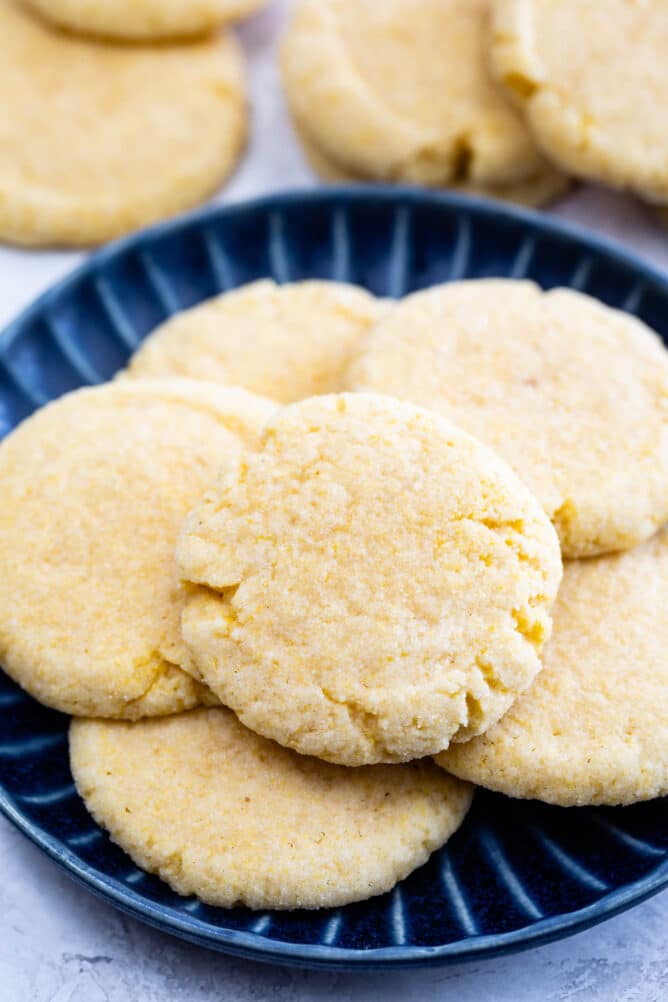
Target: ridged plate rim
(254, 944)
(257, 947)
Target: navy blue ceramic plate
(517, 873)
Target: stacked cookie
(115, 115)
(269, 606)
(504, 97)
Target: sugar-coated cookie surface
(283, 341)
(546, 185)
(593, 727)
(573, 394)
(375, 582)
(98, 139)
(143, 19)
(219, 812)
(591, 78)
(399, 90)
(95, 487)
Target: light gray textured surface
(58, 943)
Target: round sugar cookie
(571, 393)
(375, 583)
(219, 812)
(591, 80)
(399, 90)
(143, 19)
(283, 341)
(99, 139)
(593, 727)
(95, 487)
(545, 186)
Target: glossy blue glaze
(517, 873)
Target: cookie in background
(99, 138)
(590, 80)
(572, 393)
(400, 91)
(543, 187)
(143, 19)
(282, 341)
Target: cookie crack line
(463, 159)
(284, 646)
(363, 721)
(162, 668)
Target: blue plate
(517, 873)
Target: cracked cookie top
(369, 586)
(399, 90)
(95, 487)
(573, 394)
(590, 78)
(593, 727)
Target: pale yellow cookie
(399, 90)
(593, 727)
(573, 394)
(143, 19)
(284, 341)
(95, 487)
(591, 78)
(219, 812)
(99, 139)
(545, 186)
(376, 583)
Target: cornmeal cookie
(219, 812)
(143, 19)
(591, 79)
(545, 186)
(95, 487)
(286, 342)
(98, 139)
(573, 394)
(399, 90)
(593, 727)
(376, 583)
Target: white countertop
(58, 943)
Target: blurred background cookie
(99, 139)
(591, 80)
(400, 91)
(143, 19)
